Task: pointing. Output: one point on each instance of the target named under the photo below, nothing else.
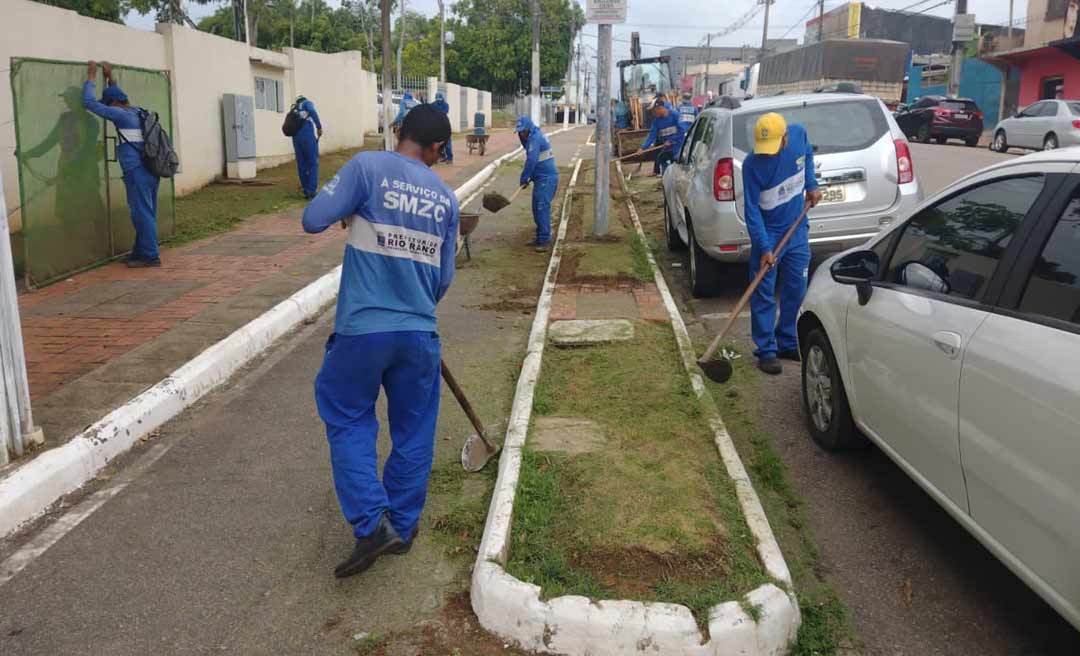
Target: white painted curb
(30, 488)
(576, 625)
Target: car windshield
(960, 106)
(834, 127)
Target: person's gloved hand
(768, 259)
(813, 197)
(524, 183)
(319, 132)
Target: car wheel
(923, 135)
(1050, 142)
(675, 243)
(1000, 144)
(828, 416)
(940, 140)
(704, 271)
(972, 142)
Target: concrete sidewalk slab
(585, 332)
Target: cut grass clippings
(651, 516)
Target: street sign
(605, 11)
(963, 27)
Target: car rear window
(1074, 108)
(959, 106)
(834, 127)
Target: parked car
(395, 102)
(1046, 125)
(861, 160)
(952, 341)
(940, 118)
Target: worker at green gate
(140, 184)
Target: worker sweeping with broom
(540, 170)
(399, 261)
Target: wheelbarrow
(466, 224)
(477, 142)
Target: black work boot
(383, 540)
(405, 546)
(792, 355)
(771, 366)
(141, 263)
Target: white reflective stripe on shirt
(687, 117)
(395, 241)
(774, 197)
(134, 135)
(544, 155)
(667, 132)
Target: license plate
(833, 194)
(960, 116)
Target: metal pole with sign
(963, 31)
(604, 13)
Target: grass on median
(218, 208)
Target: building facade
(684, 57)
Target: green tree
(110, 10)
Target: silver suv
(861, 160)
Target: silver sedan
(1045, 125)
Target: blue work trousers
(142, 197)
(306, 147)
(449, 150)
(406, 365)
(543, 193)
(790, 275)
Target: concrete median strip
(764, 621)
(28, 489)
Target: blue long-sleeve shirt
(405, 106)
(402, 231)
(442, 106)
(773, 189)
(664, 129)
(310, 116)
(129, 148)
(539, 160)
(687, 114)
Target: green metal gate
(74, 209)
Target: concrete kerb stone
(575, 625)
(30, 488)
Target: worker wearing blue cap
(405, 106)
(141, 185)
(539, 169)
(444, 107)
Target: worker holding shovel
(399, 260)
(540, 170)
(776, 177)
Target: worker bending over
(404, 107)
(775, 176)
(539, 169)
(399, 260)
(667, 130)
(306, 146)
(140, 184)
(444, 107)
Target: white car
(1045, 125)
(952, 341)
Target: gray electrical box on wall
(238, 115)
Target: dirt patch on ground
(639, 571)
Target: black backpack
(158, 155)
(293, 121)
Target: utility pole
(387, 91)
(957, 52)
(708, 61)
(568, 85)
(602, 194)
(765, 30)
(17, 429)
(1010, 23)
(577, 81)
(442, 42)
(400, 45)
(534, 105)
(821, 20)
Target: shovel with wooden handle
(719, 371)
(478, 449)
(494, 201)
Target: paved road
(227, 542)
(879, 533)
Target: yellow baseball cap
(769, 134)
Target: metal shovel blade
(718, 371)
(493, 202)
(475, 454)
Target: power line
(799, 21)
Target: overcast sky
(686, 22)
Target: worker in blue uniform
(399, 261)
(140, 184)
(667, 130)
(306, 146)
(621, 113)
(687, 112)
(404, 107)
(778, 178)
(444, 107)
(541, 171)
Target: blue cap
(113, 93)
(439, 96)
(523, 123)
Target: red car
(940, 118)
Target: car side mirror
(860, 269)
(919, 276)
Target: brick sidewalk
(114, 315)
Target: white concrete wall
(472, 106)
(202, 67)
(453, 97)
(485, 106)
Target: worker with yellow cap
(778, 177)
